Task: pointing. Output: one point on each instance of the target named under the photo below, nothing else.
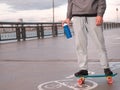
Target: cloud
(33, 15)
(111, 14)
(113, 2)
(43, 13)
(32, 4)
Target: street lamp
(53, 27)
(117, 13)
(53, 5)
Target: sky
(41, 10)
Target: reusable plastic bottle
(67, 31)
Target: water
(29, 34)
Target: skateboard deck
(109, 79)
(97, 75)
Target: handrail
(22, 30)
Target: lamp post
(53, 5)
(53, 27)
(117, 14)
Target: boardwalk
(48, 64)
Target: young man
(88, 17)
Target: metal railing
(110, 25)
(23, 31)
(26, 30)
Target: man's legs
(96, 32)
(81, 42)
(80, 24)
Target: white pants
(81, 25)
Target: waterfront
(45, 64)
(28, 30)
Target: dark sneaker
(81, 73)
(108, 72)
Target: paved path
(58, 48)
(49, 64)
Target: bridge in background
(21, 31)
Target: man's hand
(99, 20)
(66, 21)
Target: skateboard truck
(109, 79)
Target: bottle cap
(65, 24)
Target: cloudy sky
(41, 10)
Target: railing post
(17, 33)
(38, 31)
(54, 30)
(23, 32)
(42, 31)
(105, 26)
(0, 36)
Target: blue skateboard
(109, 79)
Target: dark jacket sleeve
(101, 7)
(69, 9)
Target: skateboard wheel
(81, 81)
(109, 80)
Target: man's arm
(69, 9)
(100, 11)
(101, 7)
(69, 13)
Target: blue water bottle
(67, 31)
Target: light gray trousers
(81, 25)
